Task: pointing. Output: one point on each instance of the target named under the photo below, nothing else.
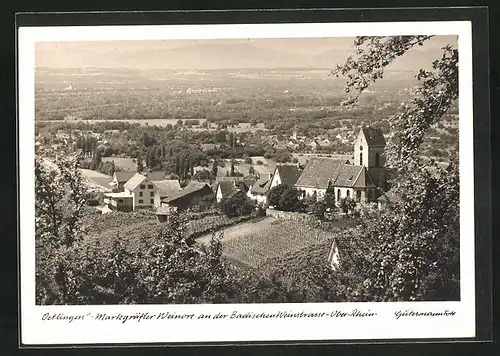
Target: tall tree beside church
(409, 251)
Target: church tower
(369, 151)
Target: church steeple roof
(373, 137)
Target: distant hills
(208, 56)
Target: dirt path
(242, 229)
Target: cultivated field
(279, 238)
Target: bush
(92, 202)
(237, 205)
(318, 209)
(347, 204)
(286, 198)
(203, 203)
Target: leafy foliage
(59, 206)
(410, 250)
(285, 197)
(237, 204)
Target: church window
(358, 195)
(377, 159)
(361, 159)
(339, 194)
(348, 194)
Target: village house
(285, 174)
(358, 180)
(119, 180)
(165, 189)
(258, 191)
(227, 188)
(183, 200)
(142, 189)
(120, 201)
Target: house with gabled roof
(142, 190)
(228, 187)
(184, 199)
(285, 174)
(165, 189)
(258, 190)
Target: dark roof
(319, 171)
(363, 179)
(261, 186)
(189, 189)
(374, 137)
(167, 188)
(289, 174)
(235, 192)
(123, 176)
(249, 182)
(227, 187)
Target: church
(358, 179)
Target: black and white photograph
(249, 169)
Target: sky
(218, 53)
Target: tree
(237, 204)
(285, 197)
(347, 205)
(330, 196)
(178, 166)
(231, 139)
(140, 166)
(410, 250)
(59, 205)
(232, 167)
(179, 272)
(214, 168)
(317, 208)
(96, 160)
